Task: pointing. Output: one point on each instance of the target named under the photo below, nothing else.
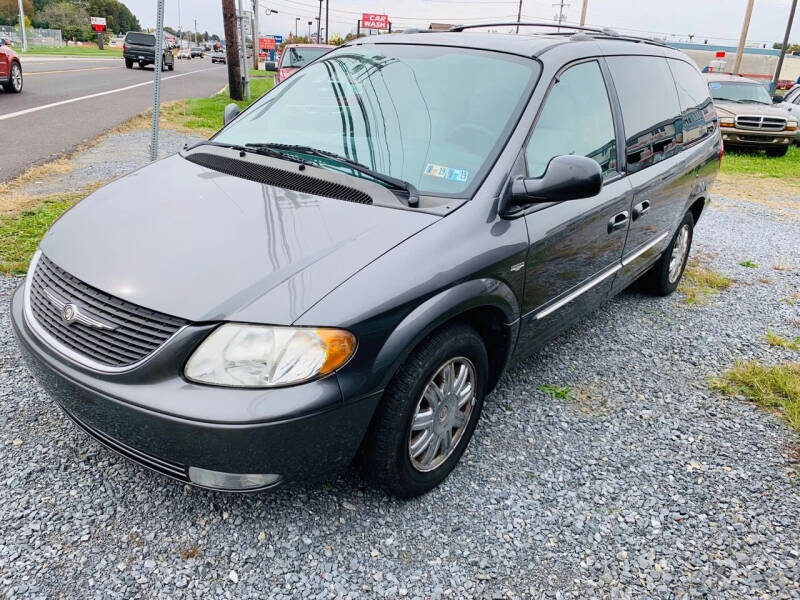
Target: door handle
(618, 221)
(641, 209)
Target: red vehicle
(10, 69)
(297, 56)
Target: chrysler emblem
(69, 313)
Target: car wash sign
(98, 24)
(373, 21)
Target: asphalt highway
(66, 102)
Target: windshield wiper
(747, 101)
(394, 182)
(264, 151)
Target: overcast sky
(719, 20)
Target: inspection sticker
(448, 173)
(714, 85)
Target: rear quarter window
(651, 113)
(141, 38)
(698, 116)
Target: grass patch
(749, 264)
(109, 52)
(773, 339)
(758, 163)
(20, 234)
(561, 392)
(774, 388)
(700, 283)
(203, 116)
(259, 74)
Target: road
(66, 102)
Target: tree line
(71, 17)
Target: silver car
(791, 104)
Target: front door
(4, 63)
(576, 245)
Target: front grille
(162, 465)
(130, 332)
(279, 178)
(760, 122)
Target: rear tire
(781, 151)
(128, 63)
(14, 83)
(665, 276)
(454, 361)
(141, 64)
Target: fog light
(231, 481)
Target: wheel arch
(697, 207)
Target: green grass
(774, 388)
(72, 51)
(562, 392)
(773, 339)
(758, 163)
(20, 234)
(749, 264)
(204, 115)
(700, 283)
(258, 74)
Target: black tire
(171, 66)
(780, 151)
(657, 281)
(384, 456)
(142, 64)
(128, 63)
(15, 81)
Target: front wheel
(14, 84)
(780, 151)
(663, 278)
(428, 413)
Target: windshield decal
(448, 173)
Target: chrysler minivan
(347, 268)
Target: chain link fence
(50, 38)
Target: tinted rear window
(698, 111)
(650, 110)
(142, 39)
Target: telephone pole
(327, 28)
(22, 27)
(743, 38)
(784, 48)
(232, 49)
(583, 12)
(319, 20)
(256, 35)
(560, 17)
(519, 15)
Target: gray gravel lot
(648, 485)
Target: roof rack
(604, 31)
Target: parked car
(297, 56)
(10, 69)
(350, 265)
(185, 54)
(747, 116)
(140, 47)
(197, 52)
(219, 57)
(791, 104)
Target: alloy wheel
(16, 77)
(680, 250)
(442, 414)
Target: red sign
(98, 23)
(373, 21)
(266, 43)
(720, 54)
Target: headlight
(791, 125)
(240, 355)
(725, 122)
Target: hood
(195, 243)
(731, 109)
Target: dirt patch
(781, 196)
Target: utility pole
(327, 29)
(743, 38)
(256, 35)
(319, 19)
(296, 21)
(195, 32)
(519, 15)
(232, 50)
(22, 27)
(784, 48)
(560, 17)
(157, 80)
(180, 30)
(245, 78)
(309, 31)
(583, 12)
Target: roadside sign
(278, 39)
(266, 43)
(374, 21)
(98, 24)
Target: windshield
(141, 39)
(739, 92)
(300, 57)
(433, 116)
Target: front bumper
(156, 418)
(756, 139)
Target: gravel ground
(647, 485)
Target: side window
(650, 110)
(575, 119)
(697, 110)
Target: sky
(717, 20)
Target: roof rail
(515, 23)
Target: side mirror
(777, 99)
(269, 65)
(231, 112)
(567, 177)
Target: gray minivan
(347, 268)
